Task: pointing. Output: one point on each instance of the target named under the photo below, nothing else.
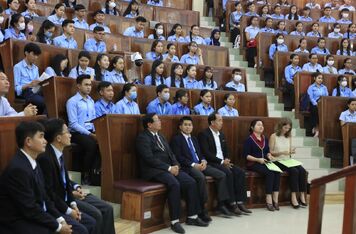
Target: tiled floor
(285, 221)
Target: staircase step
(123, 226)
(334, 198)
(298, 131)
(260, 89)
(305, 141)
(75, 176)
(309, 151)
(314, 162)
(95, 190)
(117, 209)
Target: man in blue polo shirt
(66, 40)
(138, 29)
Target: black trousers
(24, 227)
(272, 178)
(233, 34)
(297, 177)
(314, 115)
(35, 99)
(251, 53)
(90, 151)
(235, 181)
(101, 211)
(289, 96)
(182, 183)
(85, 226)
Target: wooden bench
(348, 133)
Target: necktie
(159, 143)
(63, 175)
(40, 187)
(192, 151)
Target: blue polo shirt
(180, 109)
(227, 111)
(348, 117)
(124, 106)
(65, 42)
(159, 108)
(132, 32)
(92, 45)
(200, 109)
(189, 59)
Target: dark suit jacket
(20, 195)
(181, 149)
(208, 148)
(53, 179)
(153, 160)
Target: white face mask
(21, 26)
(112, 4)
(237, 78)
(344, 83)
(330, 62)
(280, 41)
(345, 15)
(1, 19)
(337, 30)
(165, 96)
(159, 31)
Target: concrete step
(309, 151)
(315, 162)
(123, 226)
(254, 77)
(95, 190)
(75, 176)
(116, 208)
(255, 83)
(278, 113)
(275, 106)
(260, 89)
(234, 51)
(298, 131)
(305, 141)
(336, 186)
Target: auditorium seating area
(145, 202)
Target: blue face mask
(133, 95)
(48, 34)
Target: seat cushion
(137, 185)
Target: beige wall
(198, 5)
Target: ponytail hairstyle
(190, 66)
(191, 33)
(319, 40)
(97, 69)
(300, 41)
(155, 64)
(56, 7)
(202, 94)
(179, 94)
(85, 54)
(275, 42)
(114, 61)
(129, 8)
(173, 75)
(173, 30)
(204, 78)
(294, 16)
(154, 45)
(348, 49)
(291, 57)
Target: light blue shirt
(169, 82)
(188, 59)
(290, 71)
(190, 84)
(80, 24)
(316, 92)
(348, 117)
(298, 50)
(314, 34)
(153, 3)
(326, 19)
(9, 11)
(329, 70)
(54, 18)
(105, 75)
(50, 71)
(11, 33)
(198, 39)
(1, 36)
(238, 87)
(303, 18)
(267, 30)
(345, 53)
(344, 70)
(160, 109)
(65, 42)
(175, 39)
(352, 35)
(344, 21)
(273, 48)
(226, 111)
(103, 108)
(116, 77)
(132, 32)
(28, 14)
(334, 35)
(153, 56)
(124, 106)
(277, 17)
(284, 32)
(6, 109)
(296, 33)
(92, 45)
(344, 92)
(252, 14)
(180, 109)
(236, 17)
(252, 31)
(210, 86)
(131, 15)
(106, 28)
(200, 109)
(175, 58)
(110, 11)
(161, 38)
(312, 68)
(88, 71)
(80, 112)
(24, 74)
(148, 80)
(318, 50)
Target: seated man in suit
(158, 163)
(59, 186)
(213, 146)
(187, 150)
(5, 108)
(24, 204)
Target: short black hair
(98, 29)
(53, 127)
(253, 124)
(212, 117)
(236, 70)
(185, 118)
(82, 77)
(66, 22)
(148, 118)
(98, 12)
(141, 19)
(102, 85)
(27, 129)
(32, 47)
(160, 88)
(351, 100)
(79, 7)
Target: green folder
(290, 162)
(273, 167)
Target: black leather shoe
(224, 211)
(196, 222)
(275, 205)
(243, 208)
(235, 209)
(205, 217)
(294, 206)
(270, 207)
(302, 204)
(177, 228)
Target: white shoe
(316, 133)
